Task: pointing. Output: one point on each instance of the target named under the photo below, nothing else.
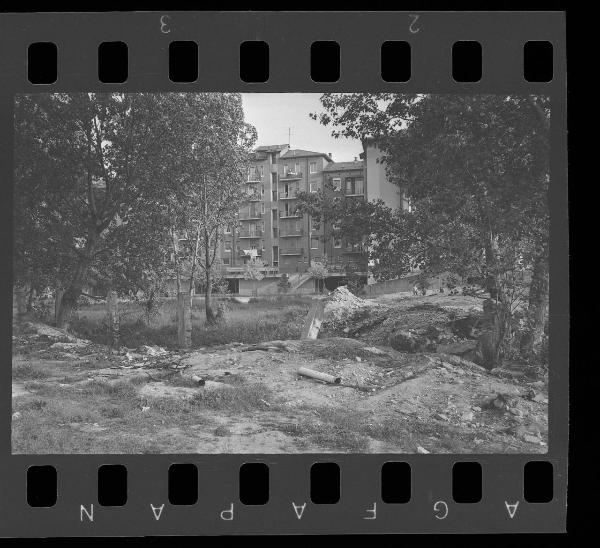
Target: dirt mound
(341, 303)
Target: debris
(198, 380)
(145, 408)
(468, 416)
(405, 341)
(358, 359)
(16, 415)
(422, 450)
(313, 321)
(69, 345)
(153, 350)
(305, 372)
(374, 350)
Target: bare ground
(78, 398)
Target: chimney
(355, 159)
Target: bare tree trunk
(21, 302)
(184, 320)
(31, 293)
(538, 308)
(112, 305)
(211, 318)
(58, 295)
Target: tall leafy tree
(207, 194)
(476, 171)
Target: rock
(358, 359)
(464, 327)
(374, 350)
(459, 348)
(468, 416)
(529, 438)
(69, 345)
(16, 415)
(441, 416)
(405, 341)
(422, 450)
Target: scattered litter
(145, 408)
(422, 450)
(16, 415)
(153, 350)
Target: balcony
(288, 214)
(291, 176)
(254, 197)
(291, 251)
(254, 176)
(243, 253)
(251, 233)
(291, 233)
(252, 216)
(288, 195)
(238, 271)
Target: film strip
(74, 463)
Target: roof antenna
(290, 137)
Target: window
(337, 243)
(298, 227)
(314, 187)
(262, 190)
(226, 261)
(312, 167)
(227, 246)
(274, 195)
(285, 169)
(337, 184)
(227, 229)
(355, 186)
(296, 168)
(262, 208)
(359, 186)
(262, 170)
(313, 224)
(314, 243)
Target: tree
(318, 270)
(377, 231)
(88, 169)
(476, 171)
(216, 145)
(254, 270)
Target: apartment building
(270, 228)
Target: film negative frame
(360, 510)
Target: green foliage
(475, 169)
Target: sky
(272, 114)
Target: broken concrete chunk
(422, 450)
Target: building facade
(270, 228)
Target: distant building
(270, 228)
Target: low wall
(405, 285)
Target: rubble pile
(341, 303)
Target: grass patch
(242, 398)
(256, 321)
(27, 371)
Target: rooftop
(271, 148)
(344, 166)
(299, 153)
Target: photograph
(280, 273)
